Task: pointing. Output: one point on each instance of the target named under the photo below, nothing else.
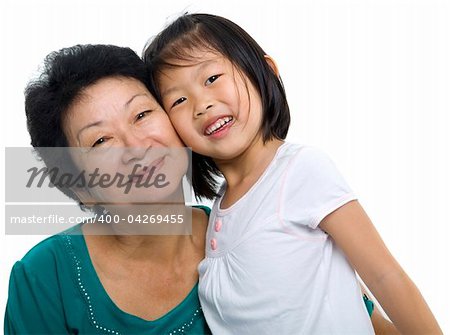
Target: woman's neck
(138, 231)
(136, 248)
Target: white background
(367, 81)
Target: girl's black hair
(205, 31)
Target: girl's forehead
(194, 57)
(188, 55)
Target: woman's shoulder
(203, 208)
(47, 254)
(200, 217)
(39, 286)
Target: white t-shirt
(269, 268)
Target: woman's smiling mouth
(145, 173)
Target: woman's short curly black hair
(66, 73)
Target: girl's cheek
(179, 130)
(187, 135)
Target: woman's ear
(272, 65)
(84, 196)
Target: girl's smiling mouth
(218, 125)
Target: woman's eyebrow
(97, 123)
(93, 124)
(127, 104)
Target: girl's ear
(272, 65)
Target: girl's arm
(354, 233)
(381, 325)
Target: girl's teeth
(220, 123)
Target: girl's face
(120, 129)
(215, 110)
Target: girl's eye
(179, 101)
(100, 141)
(142, 115)
(212, 79)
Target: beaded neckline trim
(85, 294)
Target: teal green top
(54, 289)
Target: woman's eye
(142, 115)
(179, 101)
(100, 141)
(212, 79)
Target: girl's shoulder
(302, 152)
(306, 158)
(312, 186)
(299, 160)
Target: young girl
(286, 233)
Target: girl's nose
(202, 109)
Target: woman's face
(118, 129)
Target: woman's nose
(135, 147)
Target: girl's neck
(243, 171)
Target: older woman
(108, 279)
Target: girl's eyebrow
(169, 90)
(199, 67)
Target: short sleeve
(33, 305)
(312, 188)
